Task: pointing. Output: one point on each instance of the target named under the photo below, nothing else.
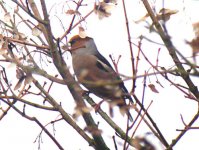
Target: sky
(111, 38)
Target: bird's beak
(75, 43)
(70, 48)
(73, 47)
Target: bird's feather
(121, 84)
(96, 73)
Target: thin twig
(130, 46)
(26, 43)
(76, 24)
(35, 120)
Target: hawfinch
(95, 73)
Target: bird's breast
(102, 83)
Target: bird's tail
(127, 113)
(129, 116)
(124, 108)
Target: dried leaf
(16, 9)
(167, 11)
(28, 79)
(15, 36)
(87, 109)
(3, 44)
(36, 31)
(194, 45)
(1, 39)
(7, 17)
(4, 48)
(164, 14)
(19, 83)
(196, 28)
(103, 9)
(153, 88)
(76, 114)
(93, 130)
(142, 18)
(71, 12)
(79, 110)
(82, 32)
(19, 36)
(22, 36)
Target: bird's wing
(102, 59)
(104, 65)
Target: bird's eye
(72, 42)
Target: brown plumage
(95, 72)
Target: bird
(96, 74)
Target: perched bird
(95, 73)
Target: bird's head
(82, 45)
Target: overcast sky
(111, 38)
